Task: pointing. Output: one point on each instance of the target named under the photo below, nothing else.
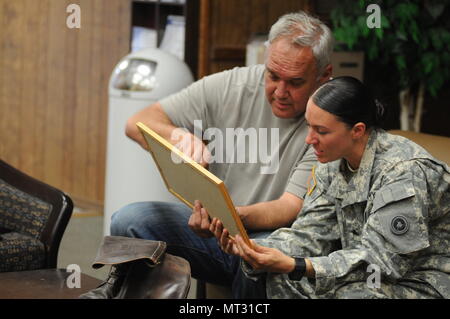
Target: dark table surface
(44, 284)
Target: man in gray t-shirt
(253, 120)
(281, 159)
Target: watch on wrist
(299, 270)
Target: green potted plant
(413, 36)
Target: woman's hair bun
(351, 101)
(380, 112)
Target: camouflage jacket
(393, 213)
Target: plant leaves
(435, 8)
(400, 61)
(414, 38)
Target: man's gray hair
(306, 31)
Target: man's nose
(281, 90)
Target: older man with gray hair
(267, 96)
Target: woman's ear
(358, 130)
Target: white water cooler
(139, 79)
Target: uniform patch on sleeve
(399, 225)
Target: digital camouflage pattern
(394, 213)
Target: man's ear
(358, 130)
(326, 74)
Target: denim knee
(129, 216)
(121, 219)
(143, 217)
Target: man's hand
(156, 119)
(200, 221)
(191, 145)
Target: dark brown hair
(350, 100)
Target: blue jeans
(168, 222)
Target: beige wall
(53, 89)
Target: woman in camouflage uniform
(376, 218)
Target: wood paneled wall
(231, 23)
(54, 80)
(54, 89)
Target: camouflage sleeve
(396, 228)
(314, 233)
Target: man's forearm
(155, 118)
(272, 214)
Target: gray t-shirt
(267, 158)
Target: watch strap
(299, 269)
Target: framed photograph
(189, 181)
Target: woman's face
(331, 138)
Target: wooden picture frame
(189, 181)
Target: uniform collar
(357, 190)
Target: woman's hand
(259, 257)
(264, 258)
(226, 243)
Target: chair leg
(201, 290)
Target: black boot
(111, 286)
